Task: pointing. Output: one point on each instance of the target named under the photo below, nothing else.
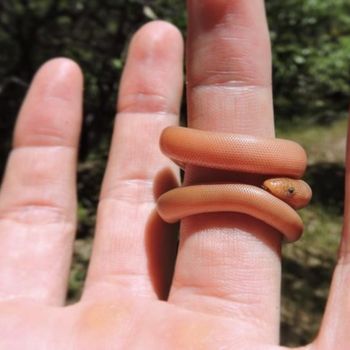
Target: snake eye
(291, 190)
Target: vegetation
(311, 53)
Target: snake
(281, 163)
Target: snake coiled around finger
(281, 162)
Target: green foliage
(311, 53)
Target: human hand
(225, 292)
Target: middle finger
(229, 264)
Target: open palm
(225, 291)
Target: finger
(335, 327)
(37, 199)
(229, 265)
(131, 253)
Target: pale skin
(225, 293)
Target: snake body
(274, 202)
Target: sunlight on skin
(226, 287)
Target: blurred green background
(311, 61)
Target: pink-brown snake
(274, 202)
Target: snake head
(296, 193)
